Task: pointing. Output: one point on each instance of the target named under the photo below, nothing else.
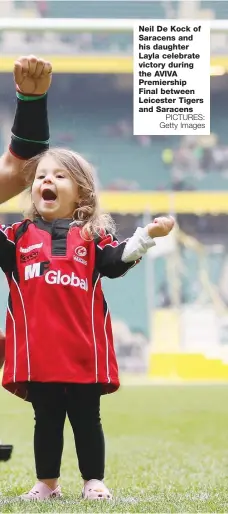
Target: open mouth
(48, 195)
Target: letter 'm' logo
(36, 269)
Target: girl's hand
(161, 226)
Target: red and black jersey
(58, 326)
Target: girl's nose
(48, 179)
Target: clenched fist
(32, 76)
(2, 348)
(161, 226)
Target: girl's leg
(48, 400)
(83, 409)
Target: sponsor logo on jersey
(37, 269)
(30, 248)
(80, 252)
(54, 277)
(29, 257)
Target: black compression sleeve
(30, 131)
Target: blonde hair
(87, 213)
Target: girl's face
(54, 193)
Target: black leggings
(81, 402)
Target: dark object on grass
(5, 452)
(2, 348)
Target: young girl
(59, 347)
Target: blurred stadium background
(170, 314)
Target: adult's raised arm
(30, 131)
(11, 182)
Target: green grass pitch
(167, 451)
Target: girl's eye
(40, 176)
(60, 176)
